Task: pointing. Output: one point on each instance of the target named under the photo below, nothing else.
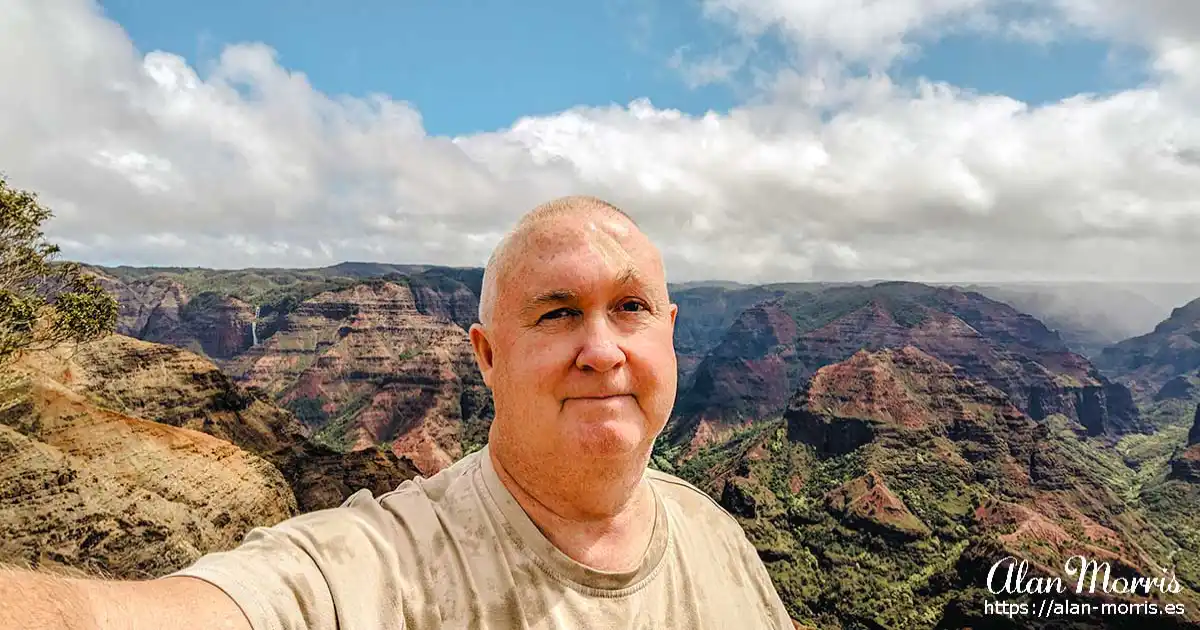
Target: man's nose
(601, 349)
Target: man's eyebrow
(629, 275)
(634, 276)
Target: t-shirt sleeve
(323, 570)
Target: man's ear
(674, 312)
(483, 351)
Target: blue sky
(479, 66)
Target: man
(556, 523)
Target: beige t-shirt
(457, 551)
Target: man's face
(582, 360)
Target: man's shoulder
(693, 503)
(418, 506)
(447, 486)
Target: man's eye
(556, 313)
(635, 304)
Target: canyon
(881, 443)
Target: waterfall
(254, 328)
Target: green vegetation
(335, 433)
(43, 303)
(200, 304)
(1171, 413)
(1091, 459)
(308, 411)
(1171, 505)
(840, 567)
(1149, 456)
(855, 574)
(812, 311)
(908, 303)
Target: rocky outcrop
(1186, 466)
(363, 366)
(706, 313)
(170, 386)
(322, 477)
(459, 305)
(90, 488)
(132, 459)
(851, 404)
(774, 347)
(219, 325)
(1106, 408)
(867, 502)
(159, 308)
(450, 294)
(147, 306)
(744, 378)
(178, 388)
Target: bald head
(565, 210)
(574, 206)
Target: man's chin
(610, 438)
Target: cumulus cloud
(834, 171)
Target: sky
(753, 140)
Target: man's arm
(41, 601)
(319, 571)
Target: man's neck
(603, 520)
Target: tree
(43, 303)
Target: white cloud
(871, 33)
(827, 174)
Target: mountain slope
(364, 354)
(891, 484)
(222, 313)
(178, 388)
(133, 459)
(1091, 316)
(213, 312)
(94, 489)
(773, 347)
(1149, 362)
(707, 311)
(363, 366)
